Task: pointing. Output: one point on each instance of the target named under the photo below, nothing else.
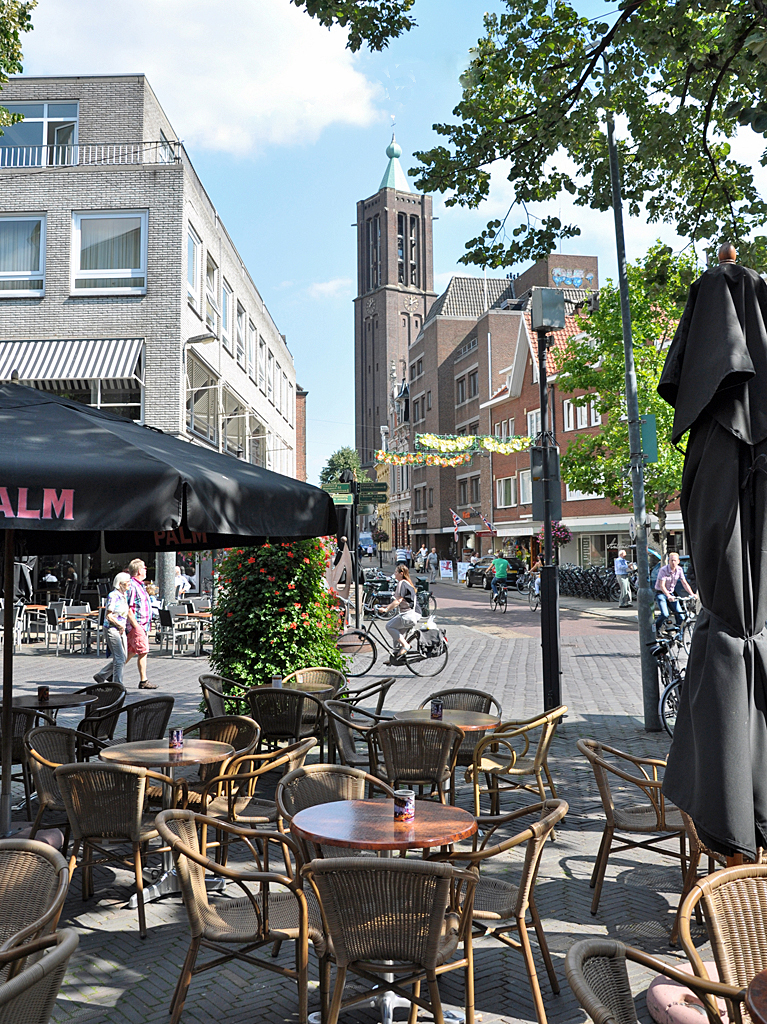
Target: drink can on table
(437, 707)
(175, 739)
(43, 694)
(404, 805)
(277, 682)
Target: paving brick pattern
(116, 978)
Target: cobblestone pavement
(116, 978)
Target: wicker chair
(29, 997)
(499, 905)
(216, 700)
(232, 796)
(507, 768)
(416, 754)
(24, 719)
(241, 732)
(147, 719)
(734, 905)
(322, 784)
(48, 747)
(316, 678)
(363, 900)
(467, 700)
(251, 921)
(34, 879)
(287, 716)
(101, 717)
(697, 849)
(653, 818)
(105, 803)
(349, 724)
(596, 972)
(378, 689)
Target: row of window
(421, 406)
(420, 501)
(467, 387)
(469, 491)
(579, 416)
(108, 253)
(510, 491)
(227, 318)
(504, 429)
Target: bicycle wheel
(687, 630)
(427, 661)
(502, 600)
(432, 604)
(669, 705)
(533, 599)
(522, 582)
(359, 649)
(493, 601)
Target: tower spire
(394, 177)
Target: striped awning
(67, 362)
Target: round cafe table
(157, 754)
(756, 998)
(55, 701)
(469, 721)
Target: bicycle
(533, 594)
(665, 652)
(499, 601)
(668, 706)
(427, 655)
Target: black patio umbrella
(70, 475)
(715, 376)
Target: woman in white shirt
(405, 600)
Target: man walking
(432, 564)
(622, 576)
(138, 635)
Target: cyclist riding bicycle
(500, 568)
(536, 571)
(406, 601)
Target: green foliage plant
(15, 18)
(593, 361)
(344, 458)
(273, 614)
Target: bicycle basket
(431, 642)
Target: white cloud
(334, 289)
(234, 77)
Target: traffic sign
(343, 499)
(337, 488)
(374, 488)
(365, 510)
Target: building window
(475, 488)
(233, 424)
(474, 429)
(373, 248)
(504, 429)
(401, 237)
(460, 391)
(47, 135)
(428, 399)
(270, 376)
(291, 406)
(252, 341)
(567, 415)
(416, 410)
(431, 497)
(226, 315)
(278, 387)
(413, 251)
(211, 296)
(497, 430)
(511, 427)
(262, 364)
(571, 494)
(412, 371)
(525, 487)
(463, 493)
(596, 415)
(474, 384)
(240, 337)
(193, 263)
(582, 416)
(109, 253)
(201, 401)
(534, 423)
(22, 256)
(417, 497)
(257, 442)
(506, 492)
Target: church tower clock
(395, 290)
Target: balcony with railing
(163, 152)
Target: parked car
(476, 574)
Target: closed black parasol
(70, 474)
(716, 378)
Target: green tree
(273, 615)
(15, 18)
(594, 362)
(682, 77)
(344, 458)
(374, 23)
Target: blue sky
(287, 130)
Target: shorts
(137, 641)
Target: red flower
(271, 578)
(297, 604)
(276, 593)
(290, 554)
(292, 626)
(251, 560)
(229, 615)
(307, 562)
(262, 570)
(291, 586)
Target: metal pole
(644, 594)
(7, 719)
(550, 648)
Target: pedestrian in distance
(432, 564)
(622, 576)
(138, 635)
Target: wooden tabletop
(55, 700)
(756, 998)
(469, 721)
(35, 607)
(156, 753)
(194, 615)
(370, 825)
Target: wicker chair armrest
(501, 735)
(50, 915)
(642, 781)
(8, 956)
(716, 988)
(650, 762)
(379, 689)
(502, 741)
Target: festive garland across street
(452, 449)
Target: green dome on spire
(394, 176)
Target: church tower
(395, 290)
